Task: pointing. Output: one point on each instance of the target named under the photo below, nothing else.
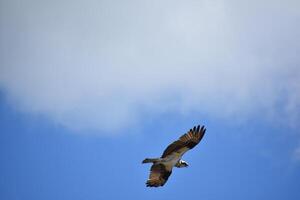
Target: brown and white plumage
(158, 175)
(162, 167)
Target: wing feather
(186, 142)
(158, 175)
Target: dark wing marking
(158, 175)
(186, 141)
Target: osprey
(162, 167)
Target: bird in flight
(162, 167)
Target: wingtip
(199, 129)
(152, 185)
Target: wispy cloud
(101, 64)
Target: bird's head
(183, 164)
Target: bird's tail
(150, 160)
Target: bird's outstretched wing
(186, 142)
(158, 175)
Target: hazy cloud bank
(102, 64)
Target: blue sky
(44, 161)
(88, 89)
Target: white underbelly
(170, 161)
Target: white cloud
(102, 64)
